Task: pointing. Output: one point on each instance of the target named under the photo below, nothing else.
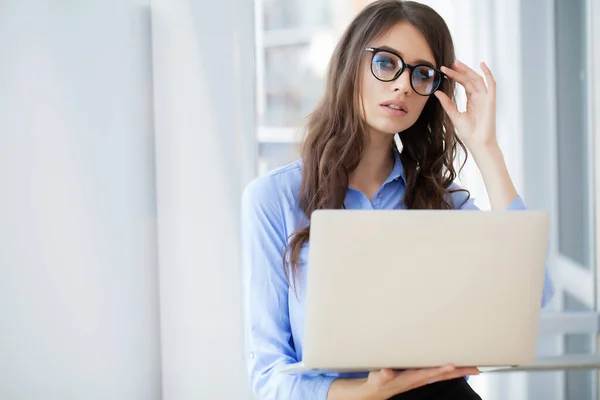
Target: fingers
(435, 374)
(411, 377)
(489, 77)
(382, 377)
(470, 371)
(389, 382)
(474, 76)
(460, 77)
(448, 105)
(468, 78)
(425, 376)
(420, 377)
(386, 375)
(457, 373)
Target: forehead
(408, 41)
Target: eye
(424, 73)
(384, 62)
(387, 62)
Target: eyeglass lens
(424, 79)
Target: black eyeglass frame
(375, 50)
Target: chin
(392, 130)
(388, 126)
(391, 127)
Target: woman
(390, 77)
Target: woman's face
(381, 100)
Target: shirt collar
(398, 170)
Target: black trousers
(455, 389)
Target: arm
(496, 178)
(503, 195)
(515, 204)
(477, 128)
(267, 325)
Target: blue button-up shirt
(274, 316)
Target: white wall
(204, 109)
(78, 271)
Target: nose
(402, 83)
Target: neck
(375, 165)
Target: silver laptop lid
(421, 288)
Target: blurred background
(129, 128)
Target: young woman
(392, 76)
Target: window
(294, 41)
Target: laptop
(421, 288)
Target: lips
(395, 105)
(394, 108)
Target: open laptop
(420, 288)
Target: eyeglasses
(387, 66)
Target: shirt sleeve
(268, 338)
(464, 202)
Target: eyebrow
(417, 62)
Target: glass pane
(295, 14)
(273, 155)
(578, 384)
(572, 123)
(297, 39)
(293, 84)
(295, 43)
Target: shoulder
(276, 188)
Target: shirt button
(380, 196)
(251, 356)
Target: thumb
(386, 375)
(448, 105)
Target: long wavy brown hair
(337, 133)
